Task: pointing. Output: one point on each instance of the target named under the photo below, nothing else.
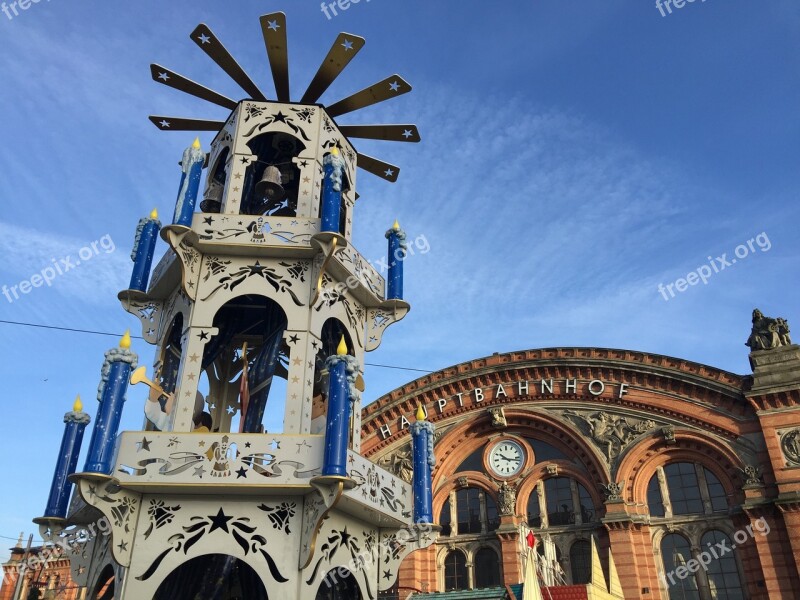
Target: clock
(506, 458)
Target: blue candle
(397, 253)
(192, 168)
(337, 432)
(144, 248)
(333, 169)
(111, 395)
(76, 422)
(424, 460)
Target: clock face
(506, 458)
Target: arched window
(655, 502)
(492, 516)
(468, 510)
(444, 518)
(339, 584)
(675, 552)
(487, 569)
(533, 510)
(455, 571)
(724, 581)
(558, 495)
(684, 489)
(689, 486)
(580, 558)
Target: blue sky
(575, 155)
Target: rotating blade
(210, 44)
(389, 133)
(273, 27)
(179, 82)
(181, 124)
(390, 87)
(344, 50)
(377, 167)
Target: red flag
(244, 389)
(531, 539)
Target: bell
(270, 185)
(212, 202)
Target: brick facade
(613, 417)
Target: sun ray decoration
(342, 52)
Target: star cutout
(387, 575)
(296, 361)
(199, 470)
(237, 176)
(203, 335)
(247, 444)
(273, 25)
(245, 160)
(190, 376)
(164, 124)
(408, 133)
(394, 86)
(304, 164)
(219, 521)
(163, 76)
(280, 117)
(202, 444)
(193, 358)
(208, 220)
(230, 410)
(256, 269)
(295, 379)
(275, 445)
(123, 546)
(92, 491)
(294, 339)
(145, 444)
(204, 39)
(388, 172)
(241, 473)
(347, 45)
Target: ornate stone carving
(669, 434)
(508, 499)
(753, 475)
(613, 491)
(790, 444)
(768, 333)
(611, 433)
(552, 469)
(498, 417)
(462, 482)
(400, 463)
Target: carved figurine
(768, 333)
(508, 499)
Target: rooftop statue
(768, 333)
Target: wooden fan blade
(181, 124)
(390, 87)
(210, 44)
(273, 27)
(377, 167)
(389, 133)
(344, 50)
(179, 82)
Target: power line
(138, 337)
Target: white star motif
(388, 172)
(204, 39)
(164, 123)
(163, 76)
(230, 410)
(273, 25)
(408, 133)
(347, 45)
(394, 86)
